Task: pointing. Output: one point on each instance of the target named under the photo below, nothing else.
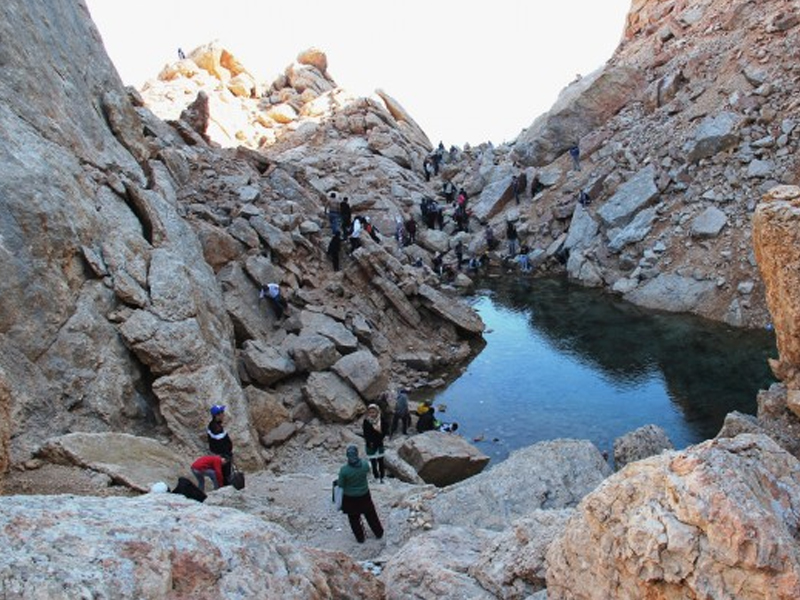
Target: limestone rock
(266, 364)
(643, 442)
(314, 57)
(189, 550)
(435, 565)
(709, 223)
(512, 565)
(441, 458)
(331, 398)
(326, 326)
(136, 462)
(673, 293)
(458, 314)
(547, 475)
(714, 134)
(717, 520)
(636, 193)
(362, 370)
(311, 352)
(582, 229)
(776, 240)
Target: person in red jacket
(211, 467)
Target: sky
(465, 71)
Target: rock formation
(718, 520)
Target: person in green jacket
(356, 500)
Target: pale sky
(466, 72)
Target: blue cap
(217, 409)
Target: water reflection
(567, 361)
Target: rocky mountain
(140, 227)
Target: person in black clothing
(375, 428)
(347, 216)
(427, 420)
(219, 442)
(511, 236)
(334, 249)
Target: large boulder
(580, 108)
(776, 240)
(632, 196)
(718, 520)
(670, 292)
(441, 458)
(547, 475)
(160, 546)
(136, 462)
(363, 371)
(714, 134)
(331, 398)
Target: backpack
(186, 488)
(237, 478)
(336, 494)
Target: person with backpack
(356, 499)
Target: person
(209, 466)
(333, 211)
(523, 260)
(584, 199)
(411, 230)
(427, 419)
(374, 428)
(511, 236)
(459, 250)
(401, 413)
(356, 499)
(438, 263)
(355, 235)
(427, 166)
(515, 187)
(347, 216)
(536, 186)
(449, 191)
(575, 153)
(371, 230)
(334, 249)
(181, 54)
(491, 242)
(219, 442)
(273, 292)
(448, 427)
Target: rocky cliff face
(136, 249)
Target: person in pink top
(211, 467)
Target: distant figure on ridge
(575, 153)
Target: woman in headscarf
(375, 429)
(356, 499)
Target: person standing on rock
(355, 235)
(347, 216)
(375, 429)
(511, 236)
(575, 153)
(356, 499)
(219, 442)
(333, 211)
(401, 413)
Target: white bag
(336, 494)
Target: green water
(563, 361)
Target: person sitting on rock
(448, 427)
(427, 420)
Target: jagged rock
(441, 458)
(266, 364)
(266, 410)
(716, 520)
(136, 462)
(363, 371)
(196, 115)
(214, 549)
(641, 443)
(672, 293)
(311, 352)
(776, 240)
(277, 240)
(581, 107)
(512, 564)
(219, 247)
(709, 223)
(321, 324)
(714, 134)
(331, 398)
(279, 434)
(547, 475)
(633, 232)
(632, 196)
(315, 58)
(459, 315)
(582, 229)
(400, 468)
(435, 565)
(737, 423)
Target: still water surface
(563, 361)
